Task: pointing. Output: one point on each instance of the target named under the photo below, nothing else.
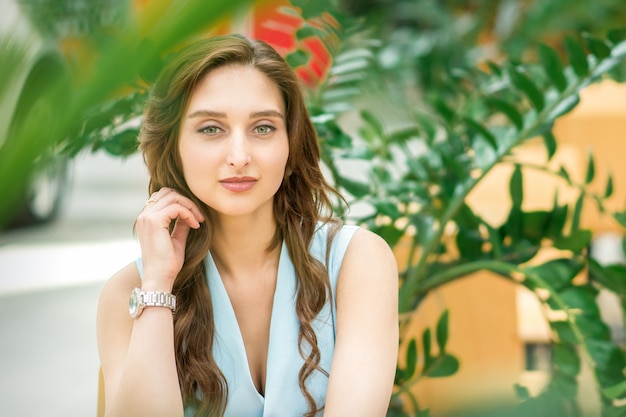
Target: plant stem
(462, 270)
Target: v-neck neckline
(228, 326)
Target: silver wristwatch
(141, 299)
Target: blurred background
(482, 139)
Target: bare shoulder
(369, 267)
(370, 254)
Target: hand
(163, 253)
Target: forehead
(236, 87)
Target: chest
(252, 305)
(274, 325)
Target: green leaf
(577, 241)
(565, 359)
(576, 215)
(612, 277)
(465, 218)
(552, 66)
(443, 365)
(563, 174)
(426, 344)
(592, 326)
(508, 110)
(580, 298)
(442, 331)
(608, 191)
(558, 273)
(513, 226)
(577, 57)
(400, 377)
(521, 392)
(360, 152)
(481, 130)
(307, 31)
(496, 242)
(564, 332)
(122, 144)
(615, 391)
(428, 127)
(469, 244)
(373, 123)
(297, 58)
(550, 143)
(616, 35)
(601, 351)
(495, 68)
(404, 135)
(330, 132)
(411, 359)
(591, 168)
(444, 110)
(558, 218)
(387, 208)
(355, 188)
(565, 385)
(516, 187)
(620, 217)
(526, 86)
(396, 410)
(425, 225)
(535, 225)
(299, 3)
(311, 9)
(598, 47)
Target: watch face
(133, 303)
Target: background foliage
(443, 91)
(473, 81)
(478, 80)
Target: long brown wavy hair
(300, 203)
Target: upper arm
(366, 348)
(113, 323)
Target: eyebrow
(218, 115)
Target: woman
(279, 310)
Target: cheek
(280, 159)
(196, 162)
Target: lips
(238, 184)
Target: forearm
(148, 383)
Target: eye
(210, 130)
(264, 129)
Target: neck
(241, 246)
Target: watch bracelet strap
(158, 299)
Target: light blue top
(283, 397)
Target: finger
(162, 192)
(190, 217)
(171, 197)
(156, 196)
(161, 217)
(179, 212)
(180, 232)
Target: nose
(238, 151)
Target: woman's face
(233, 141)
